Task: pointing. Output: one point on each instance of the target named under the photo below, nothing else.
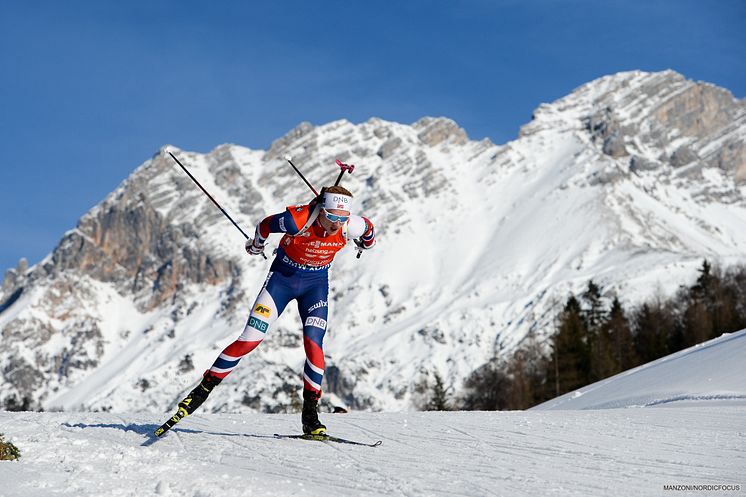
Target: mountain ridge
(477, 244)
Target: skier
(313, 234)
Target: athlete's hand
(253, 248)
(360, 245)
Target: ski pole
(210, 197)
(344, 167)
(290, 161)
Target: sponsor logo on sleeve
(316, 322)
(282, 224)
(263, 310)
(258, 324)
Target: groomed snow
(593, 453)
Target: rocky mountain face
(631, 180)
(659, 120)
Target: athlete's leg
(313, 309)
(268, 306)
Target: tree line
(596, 337)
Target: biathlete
(313, 234)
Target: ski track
(631, 451)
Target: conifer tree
(653, 323)
(591, 342)
(620, 334)
(603, 361)
(438, 396)
(527, 371)
(571, 355)
(594, 313)
(701, 309)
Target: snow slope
(694, 435)
(611, 452)
(713, 371)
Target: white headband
(337, 201)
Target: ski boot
(191, 402)
(197, 396)
(310, 415)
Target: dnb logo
(316, 322)
(258, 324)
(262, 310)
(340, 201)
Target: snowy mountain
(630, 180)
(673, 445)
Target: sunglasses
(336, 219)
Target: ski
(328, 438)
(180, 414)
(191, 402)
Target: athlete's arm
(283, 222)
(362, 228)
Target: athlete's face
(332, 225)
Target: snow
(710, 371)
(426, 299)
(613, 452)
(118, 316)
(692, 433)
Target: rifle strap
(311, 218)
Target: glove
(361, 246)
(253, 248)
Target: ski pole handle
(360, 248)
(344, 167)
(252, 249)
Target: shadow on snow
(148, 429)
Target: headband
(337, 201)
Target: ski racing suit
(299, 272)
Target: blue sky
(90, 90)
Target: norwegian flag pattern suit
(299, 272)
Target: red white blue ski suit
(299, 272)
